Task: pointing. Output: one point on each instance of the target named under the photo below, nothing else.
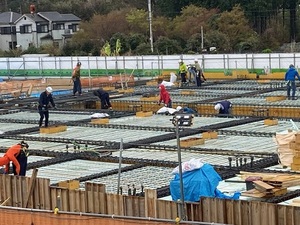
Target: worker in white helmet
(223, 107)
(196, 70)
(45, 102)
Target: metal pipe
(182, 211)
(150, 25)
(120, 166)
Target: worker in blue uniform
(223, 107)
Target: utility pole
(150, 25)
(202, 39)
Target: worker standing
(182, 71)
(223, 107)
(104, 98)
(12, 154)
(76, 79)
(45, 102)
(290, 77)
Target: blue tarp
(198, 183)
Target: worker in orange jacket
(12, 154)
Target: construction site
(117, 169)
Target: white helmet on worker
(178, 108)
(49, 89)
(196, 60)
(218, 106)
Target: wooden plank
(262, 186)
(128, 205)
(168, 210)
(230, 216)
(89, 197)
(255, 212)
(296, 215)
(281, 216)
(53, 197)
(136, 206)
(31, 186)
(238, 213)
(221, 210)
(290, 216)
(245, 208)
(47, 198)
(36, 194)
(77, 207)
(150, 203)
(253, 193)
(83, 201)
(103, 202)
(15, 187)
(8, 189)
(72, 201)
(142, 206)
(110, 205)
(161, 209)
(116, 202)
(96, 194)
(64, 198)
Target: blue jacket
(291, 74)
(226, 106)
(44, 101)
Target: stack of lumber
(295, 146)
(272, 184)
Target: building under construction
(117, 169)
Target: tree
(103, 27)
(138, 21)
(123, 40)
(166, 46)
(235, 26)
(134, 40)
(217, 39)
(191, 20)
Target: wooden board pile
(271, 184)
(295, 146)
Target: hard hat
(196, 60)
(178, 108)
(180, 61)
(218, 106)
(24, 144)
(49, 89)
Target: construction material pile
(269, 184)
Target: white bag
(190, 165)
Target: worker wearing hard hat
(17, 154)
(223, 107)
(182, 72)
(199, 76)
(45, 102)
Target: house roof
(9, 17)
(34, 17)
(57, 17)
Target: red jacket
(11, 155)
(164, 95)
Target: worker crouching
(17, 154)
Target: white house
(8, 37)
(42, 28)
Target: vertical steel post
(182, 211)
(120, 165)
